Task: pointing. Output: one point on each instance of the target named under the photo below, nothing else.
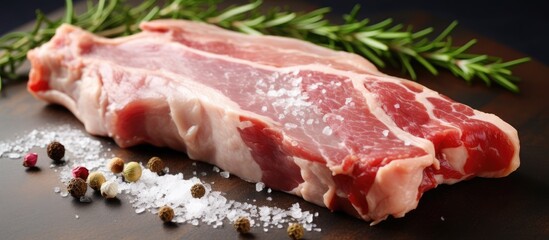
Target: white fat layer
(395, 188)
(318, 186)
(285, 46)
(458, 157)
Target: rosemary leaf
(382, 42)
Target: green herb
(383, 42)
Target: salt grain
(76, 216)
(385, 133)
(327, 131)
(64, 194)
(348, 100)
(215, 169)
(259, 186)
(225, 174)
(139, 210)
(56, 189)
(14, 155)
(397, 106)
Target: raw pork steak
(321, 124)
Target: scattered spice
(242, 225)
(132, 172)
(155, 164)
(77, 187)
(95, 180)
(80, 172)
(30, 160)
(56, 151)
(116, 165)
(109, 189)
(166, 214)
(198, 190)
(211, 210)
(295, 231)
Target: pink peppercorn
(80, 172)
(30, 160)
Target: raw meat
(324, 125)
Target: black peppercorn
(156, 165)
(198, 190)
(295, 231)
(77, 187)
(56, 151)
(242, 225)
(166, 214)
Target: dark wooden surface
(515, 207)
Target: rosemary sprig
(383, 42)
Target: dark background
(522, 25)
(514, 207)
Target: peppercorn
(295, 231)
(166, 214)
(116, 165)
(80, 172)
(198, 190)
(155, 164)
(109, 189)
(30, 160)
(77, 187)
(242, 225)
(95, 180)
(56, 151)
(132, 172)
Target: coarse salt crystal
(225, 174)
(139, 210)
(327, 131)
(215, 169)
(259, 186)
(348, 100)
(397, 106)
(385, 133)
(290, 125)
(264, 108)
